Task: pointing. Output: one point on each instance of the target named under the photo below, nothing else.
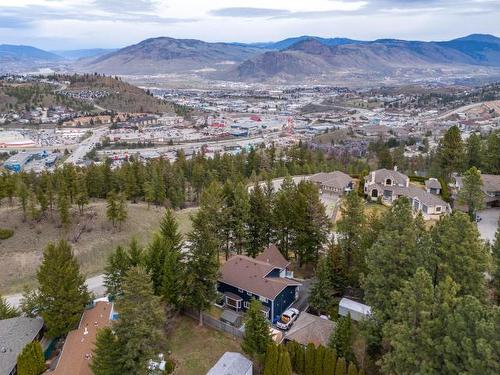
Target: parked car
(287, 319)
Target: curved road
(94, 284)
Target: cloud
(13, 22)
(125, 5)
(248, 12)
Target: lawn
(375, 208)
(196, 349)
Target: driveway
(489, 223)
(303, 302)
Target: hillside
(311, 56)
(83, 93)
(167, 55)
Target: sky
(76, 24)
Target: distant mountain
(169, 55)
(310, 55)
(10, 52)
(83, 53)
(286, 43)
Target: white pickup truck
(287, 319)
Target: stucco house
(389, 185)
(333, 183)
(264, 278)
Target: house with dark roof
(333, 183)
(490, 188)
(264, 278)
(15, 334)
(389, 185)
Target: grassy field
(196, 349)
(21, 254)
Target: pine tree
(63, 206)
(257, 222)
(114, 272)
(300, 360)
(61, 308)
(284, 363)
(495, 250)
(450, 155)
(112, 207)
(341, 339)
(121, 210)
(82, 196)
(471, 193)
(352, 369)
(474, 151)
(140, 335)
(321, 293)
(340, 368)
(7, 311)
(148, 193)
(106, 354)
(257, 335)
(282, 215)
(310, 360)
(30, 302)
(202, 261)
(459, 253)
(23, 196)
(351, 228)
(31, 360)
(271, 362)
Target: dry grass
(196, 349)
(21, 254)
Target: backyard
(196, 349)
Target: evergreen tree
(284, 364)
(139, 330)
(106, 354)
(7, 311)
(61, 308)
(459, 253)
(341, 339)
(350, 229)
(63, 206)
(112, 207)
(310, 360)
(321, 292)
(474, 152)
(31, 360)
(471, 193)
(121, 210)
(271, 363)
(119, 262)
(340, 368)
(450, 155)
(352, 369)
(329, 362)
(310, 223)
(82, 196)
(169, 229)
(30, 303)
(257, 335)
(495, 250)
(202, 261)
(23, 196)
(258, 221)
(319, 360)
(282, 217)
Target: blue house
(265, 278)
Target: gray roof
(336, 179)
(15, 333)
(381, 175)
(310, 328)
(432, 183)
(491, 182)
(411, 192)
(231, 364)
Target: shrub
(6, 233)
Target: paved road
(85, 146)
(303, 302)
(489, 223)
(94, 284)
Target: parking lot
(489, 223)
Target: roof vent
(3, 349)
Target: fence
(215, 323)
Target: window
(438, 208)
(240, 290)
(246, 304)
(263, 299)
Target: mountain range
(299, 58)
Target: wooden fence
(215, 323)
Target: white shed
(232, 364)
(357, 310)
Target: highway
(86, 146)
